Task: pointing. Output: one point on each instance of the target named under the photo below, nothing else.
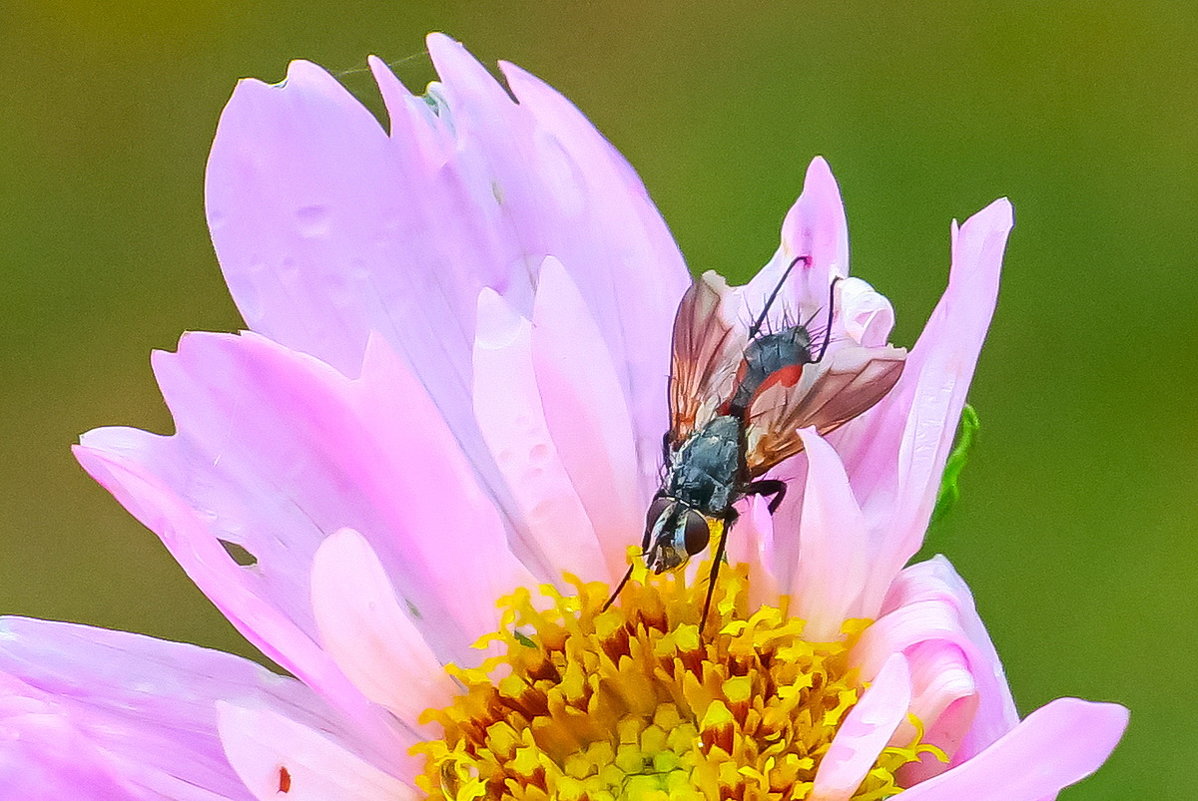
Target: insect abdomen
(768, 360)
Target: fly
(738, 398)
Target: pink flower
(452, 393)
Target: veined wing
(855, 379)
(706, 352)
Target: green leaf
(949, 491)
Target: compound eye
(656, 509)
(697, 533)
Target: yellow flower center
(636, 703)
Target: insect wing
(706, 352)
(853, 381)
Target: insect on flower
(738, 397)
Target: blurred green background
(1076, 527)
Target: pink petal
(786, 523)
(1055, 746)
(865, 314)
(961, 695)
(446, 532)
(751, 542)
(274, 451)
(420, 134)
(944, 700)
(815, 227)
(561, 190)
(585, 410)
(234, 590)
(328, 229)
(129, 716)
(825, 585)
(865, 731)
(45, 757)
(618, 252)
(945, 695)
(275, 755)
(309, 220)
(373, 640)
(937, 580)
(895, 453)
(507, 403)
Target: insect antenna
(756, 327)
(828, 330)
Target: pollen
(635, 702)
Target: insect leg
(715, 564)
(769, 486)
(616, 592)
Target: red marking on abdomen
(284, 780)
(787, 376)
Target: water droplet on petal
(539, 454)
(313, 221)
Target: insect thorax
(704, 472)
